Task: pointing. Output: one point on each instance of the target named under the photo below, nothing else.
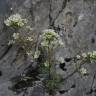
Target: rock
(74, 20)
(37, 91)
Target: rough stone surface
(74, 20)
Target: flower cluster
(89, 56)
(83, 71)
(26, 42)
(61, 60)
(16, 35)
(92, 54)
(15, 21)
(51, 38)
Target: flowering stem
(76, 70)
(49, 59)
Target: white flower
(51, 38)
(46, 63)
(29, 53)
(36, 55)
(78, 56)
(28, 27)
(89, 53)
(11, 42)
(94, 53)
(29, 39)
(84, 55)
(16, 35)
(61, 60)
(81, 16)
(61, 43)
(11, 8)
(44, 44)
(83, 71)
(15, 20)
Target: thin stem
(49, 59)
(76, 70)
(92, 81)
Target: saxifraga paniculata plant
(15, 20)
(24, 37)
(50, 41)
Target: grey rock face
(74, 20)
